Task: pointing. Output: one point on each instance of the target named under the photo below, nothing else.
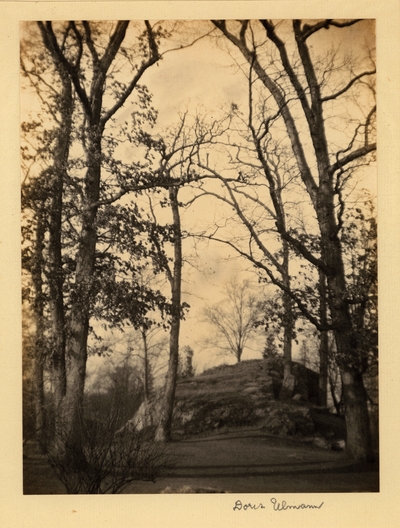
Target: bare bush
(110, 459)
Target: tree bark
(71, 408)
(56, 298)
(146, 366)
(163, 432)
(359, 442)
(39, 349)
(323, 345)
(288, 380)
(347, 355)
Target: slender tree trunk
(39, 350)
(38, 385)
(163, 432)
(56, 301)
(146, 365)
(323, 344)
(336, 402)
(288, 378)
(39, 402)
(323, 369)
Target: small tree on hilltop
(234, 319)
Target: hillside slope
(245, 394)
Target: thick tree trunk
(67, 59)
(69, 426)
(163, 432)
(358, 444)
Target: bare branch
(154, 57)
(324, 24)
(347, 87)
(51, 44)
(356, 154)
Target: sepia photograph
(199, 257)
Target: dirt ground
(243, 461)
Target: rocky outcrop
(244, 395)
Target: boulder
(287, 419)
(322, 443)
(287, 388)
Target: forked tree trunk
(71, 411)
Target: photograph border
(350, 510)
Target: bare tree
(302, 88)
(233, 319)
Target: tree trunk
(163, 432)
(56, 300)
(69, 430)
(358, 444)
(68, 426)
(288, 381)
(39, 349)
(323, 344)
(146, 365)
(336, 402)
(239, 353)
(38, 391)
(67, 59)
(323, 370)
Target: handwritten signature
(277, 506)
